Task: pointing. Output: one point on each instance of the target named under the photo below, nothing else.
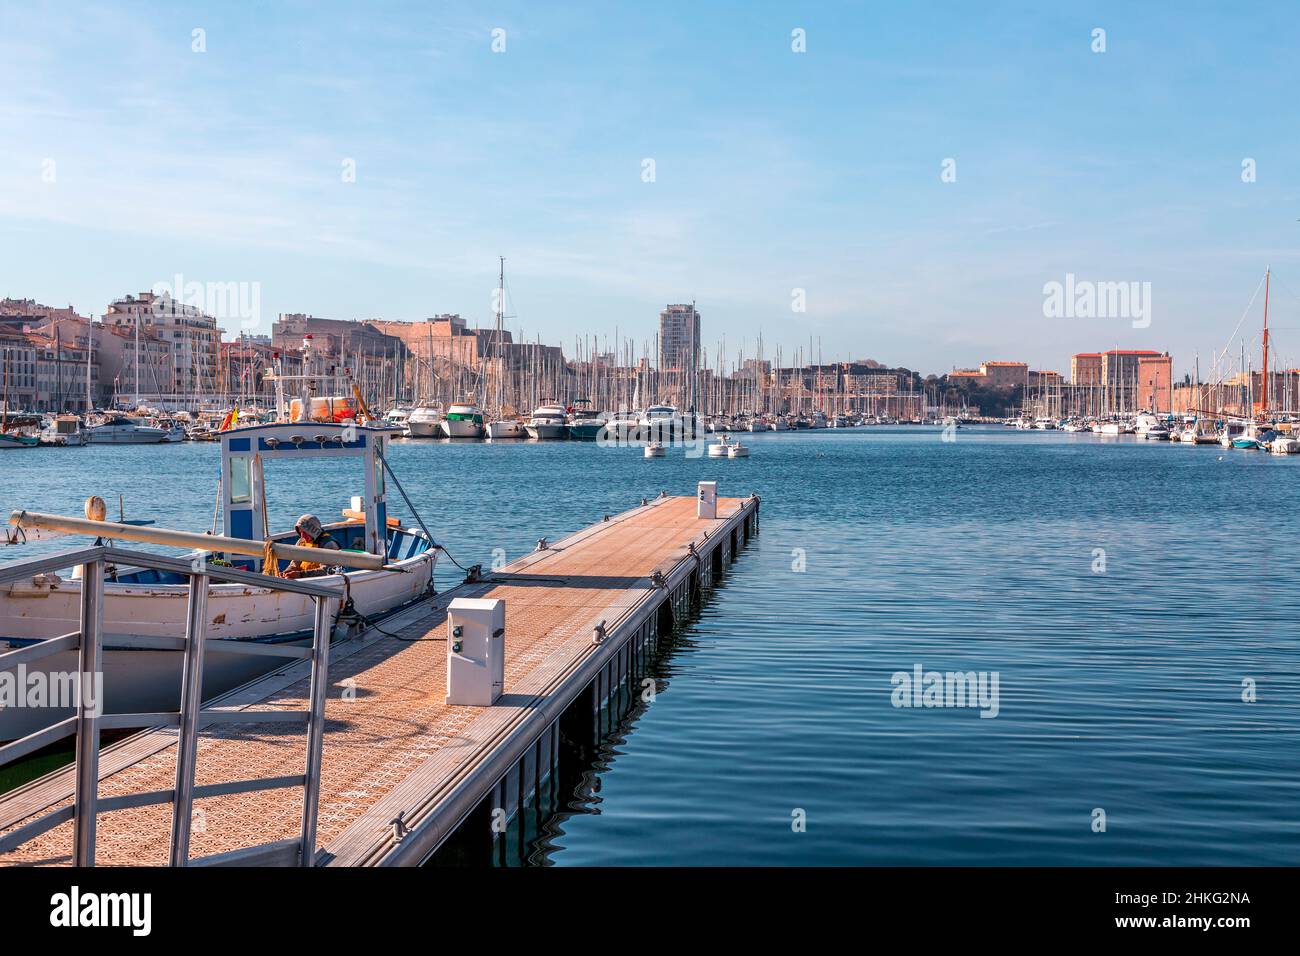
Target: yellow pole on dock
(188, 539)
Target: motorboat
(549, 422)
(655, 449)
(397, 417)
(174, 430)
(585, 424)
(425, 421)
(121, 430)
(463, 420)
(506, 428)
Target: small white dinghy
(655, 449)
(720, 448)
(737, 450)
(1285, 446)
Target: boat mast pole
(1263, 398)
(90, 348)
(137, 359)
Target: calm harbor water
(1119, 690)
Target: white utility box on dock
(476, 651)
(708, 499)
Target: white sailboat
(499, 427)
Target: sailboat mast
(1263, 398)
(501, 304)
(90, 348)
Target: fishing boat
(548, 422)
(463, 420)
(63, 431)
(12, 439)
(121, 430)
(381, 567)
(425, 421)
(17, 440)
(1236, 434)
(1195, 434)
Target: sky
(914, 177)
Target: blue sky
(774, 170)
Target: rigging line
(1241, 320)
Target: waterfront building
(192, 338)
(332, 347)
(679, 338)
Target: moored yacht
(425, 421)
(463, 420)
(586, 424)
(548, 422)
(396, 418)
(121, 430)
(506, 428)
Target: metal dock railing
(87, 724)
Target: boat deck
(392, 745)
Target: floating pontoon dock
(396, 770)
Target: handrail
(22, 568)
(362, 560)
(87, 723)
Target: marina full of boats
(576, 420)
(1280, 437)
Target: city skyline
(390, 168)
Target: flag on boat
(231, 419)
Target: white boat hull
(118, 435)
(547, 431)
(424, 429)
(462, 428)
(497, 430)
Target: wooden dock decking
(401, 769)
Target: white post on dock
(476, 651)
(708, 500)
